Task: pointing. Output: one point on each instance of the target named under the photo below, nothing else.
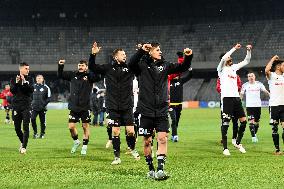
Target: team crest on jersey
(125, 69)
(41, 90)
(71, 117)
(160, 68)
(177, 84)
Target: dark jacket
(94, 102)
(81, 87)
(176, 87)
(41, 97)
(22, 93)
(153, 86)
(101, 103)
(119, 83)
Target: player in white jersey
(252, 89)
(230, 98)
(274, 71)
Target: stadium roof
(100, 10)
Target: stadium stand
(42, 33)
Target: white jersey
(135, 93)
(276, 87)
(228, 75)
(252, 91)
(228, 81)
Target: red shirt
(3, 95)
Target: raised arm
(269, 65)
(61, 74)
(246, 60)
(134, 60)
(15, 83)
(226, 56)
(186, 76)
(98, 69)
(28, 85)
(177, 68)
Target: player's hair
(114, 53)
(180, 54)
(155, 44)
(23, 64)
(83, 62)
(250, 71)
(277, 62)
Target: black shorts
(84, 116)
(254, 113)
(120, 118)
(148, 124)
(276, 114)
(232, 107)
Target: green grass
(196, 161)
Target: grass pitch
(196, 161)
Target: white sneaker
(84, 150)
(109, 143)
(21, 146)
(75, 146)
(116, 161)
(161, 175)
(7, 121)
(151, 174)
(23, 151)
(241, 148)
(254, 139)
(226, 152)
(135, 154)
(175, 138)
(234, 141)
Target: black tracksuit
(41, 97)
(153, 102)
(119, 101)
(80, 90)
(153, 85)
(21, 105)
(119, 82)
(176, 99)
